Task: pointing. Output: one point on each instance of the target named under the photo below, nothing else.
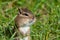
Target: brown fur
(22, 19)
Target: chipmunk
(23, 20)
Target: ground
(47, 12)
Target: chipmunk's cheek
(26, 21)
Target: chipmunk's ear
(19, 10)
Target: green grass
(47, 12)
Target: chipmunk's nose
(31, 20)
(32, 17)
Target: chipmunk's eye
(25, 14)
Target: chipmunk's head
(24, 17)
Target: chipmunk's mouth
(32, 21)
